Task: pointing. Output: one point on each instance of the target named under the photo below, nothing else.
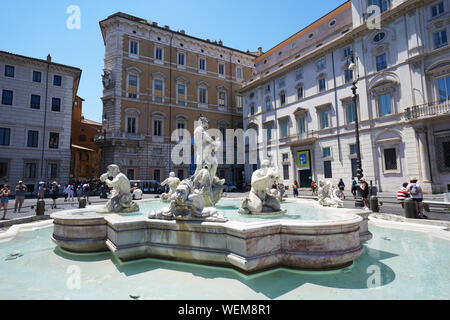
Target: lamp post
(359, 171)
(103, 192)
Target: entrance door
(304, 168)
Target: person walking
(86, 190)
(416, 193)
(341, 186)
(66, 192)
(78, 193)
(403, 194)
(4, 199)
(295, 188)
(70, 192)
(54, 192)
(354, 187)
(365, 193)
(41, 191)
(20, 191)
(313, 188)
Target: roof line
(40, 60)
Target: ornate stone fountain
(328, 195)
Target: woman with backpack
(416, 193)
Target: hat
(362, 179)
(54, 182)
(413, 179)
(20, 181)
(41, 182)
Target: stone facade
(154, 89)
(43, 93)
(302, 92)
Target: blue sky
(37, 28)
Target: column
(423, 154)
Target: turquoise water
(396, 264)
(295, 211)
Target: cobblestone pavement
(389, 205)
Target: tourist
(41, 191)
(54, 192)
(86, 190)
(295, 188)
(341, 187)
(354, 187)
(4, 199)
(20, 191)
(416, 193)
(281, 190)
(78, 193)
(70, 190)
(137, 193)
(314, 188)
(66, 192)
(365, 193)
(403, 194)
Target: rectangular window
(327, 170)
(157, 128)
(239, 102)
(352, 149)
(239, 73)
(56, 104)
(324, 121)
(57, 80)
(350, 112)
(35, 102)
(381, 62)
(134, 47)
(9, 71)
(437, 9)
(30, 170)
(347, 52)
(157, 175)
(7, 97)
(132, 86)
(269, 133)
(131, 125)
(252, 109)
(268, 105)
(440, 39)
(52, 171)
(284, 129)
(444, 89)
(285, 157)
(37, 75)
(202, 95)
(299, 74)
(33, 139)
(54, 140)
(3, 171)
(282, 82)
(390, 159)
(158, 54)
(181, 58)
(222, 97)
(221, 69)
(268, 88)
(283, 98)
(326, 152)
(299, 93)
(5, 134)
(181, 91)
(130, 174)
(348, 76)
(322, 85)
(321, 64)
(446, 149)
(382, 4)
(301, 126)
(384, 102)
(286, 172)
(158, 91)
(202, 64)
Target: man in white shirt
(137, 194)
(416, 193)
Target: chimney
(49, 58)
(220, 43)
(182, 31)
(207, 40)
(260, 52)
(155, 24)
(166, 27)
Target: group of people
(412, 190)
(5, 193)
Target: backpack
(414, 190)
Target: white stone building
(301, 93)
(36, 99)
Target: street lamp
(103, 192)
(359, 171)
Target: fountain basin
(249, 247)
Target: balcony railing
(303, 137)
(120, 135)
(431, 109)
